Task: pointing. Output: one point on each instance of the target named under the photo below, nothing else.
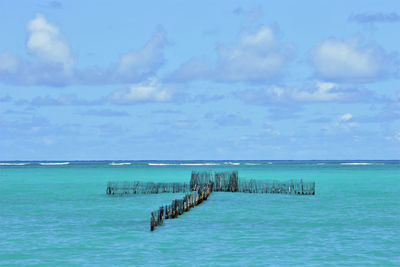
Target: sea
(58, 214)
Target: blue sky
(199, 80)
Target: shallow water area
(59, 214)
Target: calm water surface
(60, 215)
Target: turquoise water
(60, 215)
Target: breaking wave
(198, 164)
(53, 163)
(183, 164)
(119, 163)
(12, 164)
(160, 164)
(356, 163)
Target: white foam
(355, 163)
(119, 163)
(199, 164)
(54, 163)
(160, 164)
(191, 164)
(12, 164)
(251, 164)
(232, 163)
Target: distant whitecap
(12, 164)
(356, 163)
(160, 164)
(53, 163)
(119, 163)
(199, 164)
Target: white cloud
(351, 61)
(150, 91)
(52, 63)
(256, 57)
(344, 124)
(264, 39)
(322, 92)
(346, 117)
(394, 137)
(46, 42)
(317, 92)
(8, 63)
(137, 64)
(192, 69)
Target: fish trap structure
(137, 187)
(201, 186)
(230, 182)
(179, 206)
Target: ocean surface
(58, 213)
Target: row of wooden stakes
(179, 206)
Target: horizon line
(146, 160)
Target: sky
(192, 80)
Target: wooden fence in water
(230, 182)
(179, 206)
(201, 185)
(223, 182)
(138, 187)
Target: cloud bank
(352, 61)
(314, 93)
(52, 63)
(256, 56)
(374, 18)
(149, 91)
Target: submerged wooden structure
(201, 185)
(179, 206)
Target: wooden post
(162, 214)
(152, 222)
